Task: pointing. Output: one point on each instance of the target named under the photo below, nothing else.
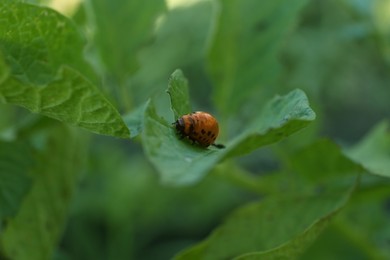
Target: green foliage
(178, 92)
(119, 32)
(332, 166)
(41, 66)
(42, 214)
(181, 163)
(135, 120)
(269, 227)
(15, 163)
(171, 50)
(284, 225)
(278, 190)
(373, 152)
(241, 41)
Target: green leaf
(179, 94)
(332, 164)
(4, 70)
(340, 242)
(41, 62)
(41, 218)
(373, 152)
(365, 223)
(69, 98)
(243, 54)
(273, 228)
(170, 50)
(15, 163)
(284, 225)
(37, 41)
(121, 28)
(181, 163)
(135, 120)
(281, 117)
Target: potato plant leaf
(39, 223)
(179, 94)
(373, 152)
(279, 118)
(330, 166)
(135, 120)
(15, 162)
(156, 64)
(43, 70)
(274, 228)
(284, 225)
(120, 30)
(243, 53)
(180, 163)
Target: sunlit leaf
(36, 41)
(69, 98)
(43, 70)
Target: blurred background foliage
(337, 51)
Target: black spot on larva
(209, 133)
(213, 135)
(203, 131)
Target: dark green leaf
(373, 152)
(340, 242)
(178, 92)
(283, 225)
(121, 29)
(323, 160)
(41, 218)
(243, 55)
(4, 70)
(181, 163)
(15, 164)
(40, 67)
(170, 50)
(270, 229)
